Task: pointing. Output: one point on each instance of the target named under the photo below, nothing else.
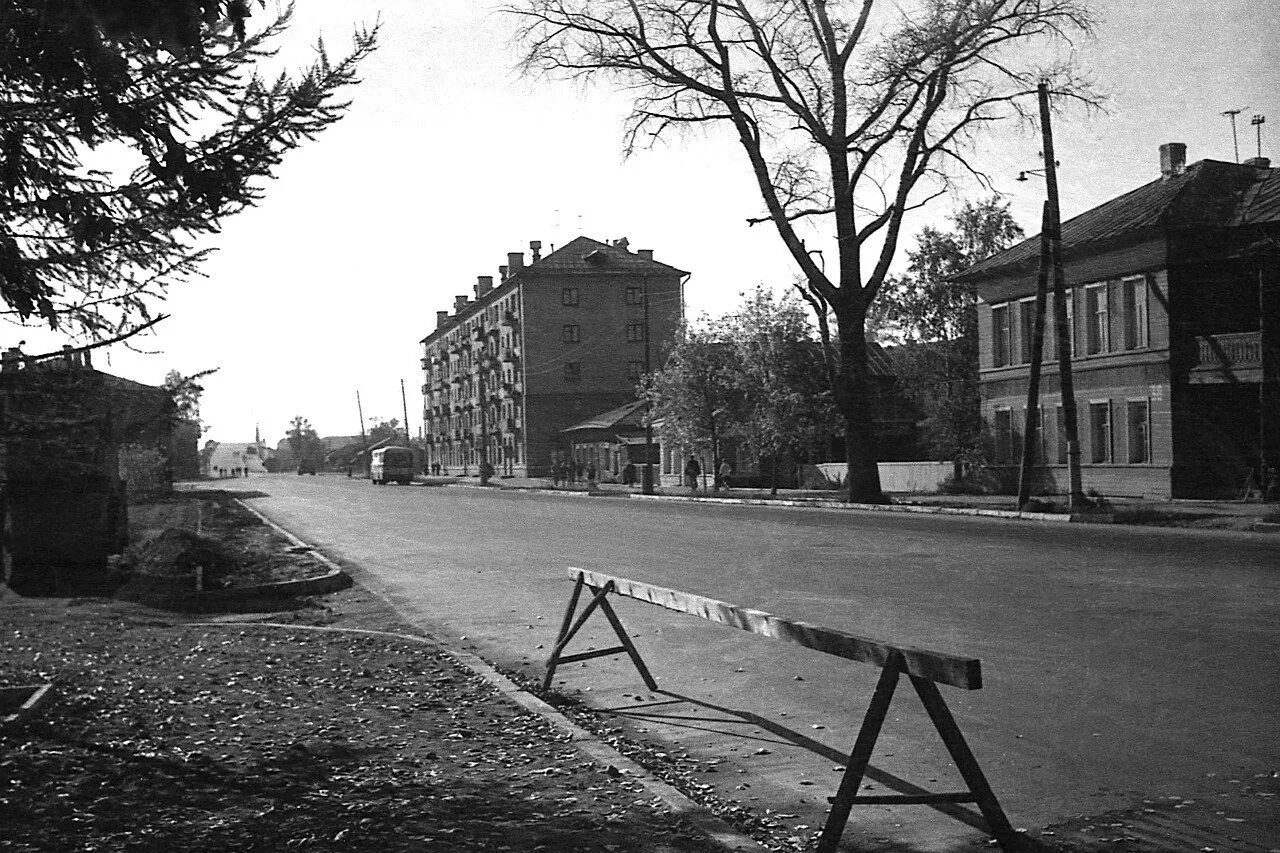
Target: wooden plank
(913, 799)
(939, 667)
(596, 653)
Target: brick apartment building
(1174, 316)
(550, 343)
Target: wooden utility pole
(1076, 494)
(364, 442)
(1032, 425)
(647, 477)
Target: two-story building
(1174, 315)
(547, 345)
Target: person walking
(692, 471)
(591, 475)
(629, 474)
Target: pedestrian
(591, 475)
(570, 470)
(723, 474)
(555, 473)
(692, 470)
(629, 474)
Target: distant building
(1174, 319)
(551, 343)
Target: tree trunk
(854, 399)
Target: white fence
(901, 477)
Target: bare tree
(852, 113)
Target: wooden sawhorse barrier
(925, 669)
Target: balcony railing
(1236, 350)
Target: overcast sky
(448, 160)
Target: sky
(448, 159)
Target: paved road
(1120, 664)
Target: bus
(392, 464)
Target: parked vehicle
(392, 464)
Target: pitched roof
(584, 255)
(1208, 194)
(623, 416)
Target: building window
(635, 296)
(1135, 312)
(1000, 335)
(1004, 436)
(570, 333)
(573, 371)
(1026, 327)
(1139, 431)
(635, 369)
(635, 332)
(1095, 297)
(568, 296)
(1100, 432)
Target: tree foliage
(851, 113)
(130, 129)
(935, 318)
(304, 444)
(186, 392)
(697, 393)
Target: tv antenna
(1258, 121)
(1235, 141)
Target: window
(635, 296)
(1061, 436)
(573, 371)
(1004, 436)
(1000, 335)
(1139, 431)
(635, 369)
(635, 332)
(570, 333)
(1026, 327)
(1095, 299)
(1135, 312)
(1100, 431)
(568, 296)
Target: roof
(623, 416)
(1208, 194)
(583, 255)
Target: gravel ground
(169, 735)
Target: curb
(714, 828)
(1048, 517)
(28, 698)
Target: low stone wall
(896, 477)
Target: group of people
(571, 471)
(719, 472)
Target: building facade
(547, 345)
(1173, 317)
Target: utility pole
(646, 479)
(364, 442)
(1032, 426)
(1258, 121)
(1076, 495)
(1235, 140)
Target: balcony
(1235, 357)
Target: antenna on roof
(1235, 141)
(1258, 121)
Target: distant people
(591, 475)
(557, 471)
(569, 469)
(722, 475)
(435, 468)
(629, 474)
(579, 469)
(692, 471)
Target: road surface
(1120, 664)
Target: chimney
(535, 246)
(1258, 162)
(1173, 159)
(647, 254)
(459, 302)
(502, 273)
(621, 243)
(442, 317)
(515, 262)
(484, 283)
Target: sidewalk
(1197, 514)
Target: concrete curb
(28, 699)
(597, 750)
(1048, 517)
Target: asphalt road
(1120, 664)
